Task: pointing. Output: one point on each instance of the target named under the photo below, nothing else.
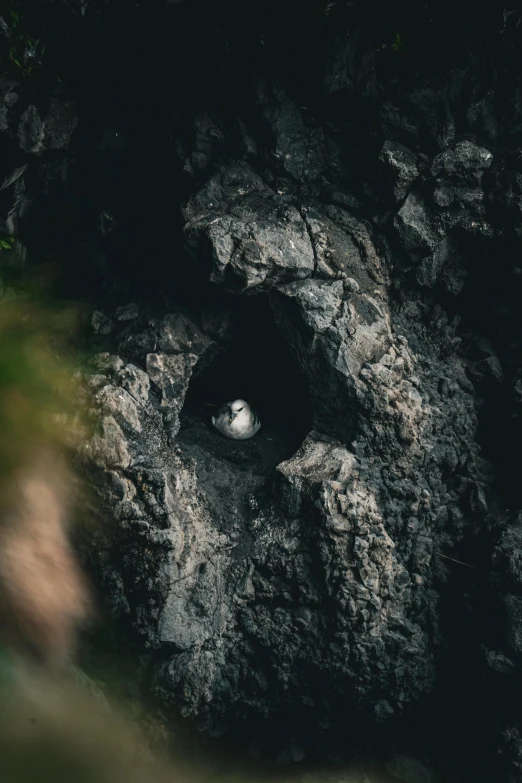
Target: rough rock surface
(369, 191)
(256, 239)
(343, 543)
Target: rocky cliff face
(323, 217)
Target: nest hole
(259, 368)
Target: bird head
(236, 407)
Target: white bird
(236, 420)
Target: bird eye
(240, 409)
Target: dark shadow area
(259, 368)
(491, 329)
(462, 712)
(467, 693)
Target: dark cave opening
(257, 367)
(235, 477)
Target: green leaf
(398, 45)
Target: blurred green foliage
(24, 49)
(398, 45)
(39, 393)
(6, 243)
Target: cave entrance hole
(259, 368)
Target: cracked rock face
(210, 590)
(327, 570)
(255, 240)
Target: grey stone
(414, 227)
(101, 323)
(465, 163)
(248, 237)
(404, 165)
(126, 312)
(52, 133)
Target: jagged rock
(53, 132)
(251, 239)
(127, 312)
(488, 369)
(300, 150)
(506, 578)
(333, 334)
(208, 143)
(414, 227)
(404, 164)
(9, 99)
(464, 164)
(171, 374)
(100, 323)
(445, 265)
(343, 247)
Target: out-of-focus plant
(43, 596)
(39, 391)
(398, 45)
(6, 243)
(52, 730)
(25, 51)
